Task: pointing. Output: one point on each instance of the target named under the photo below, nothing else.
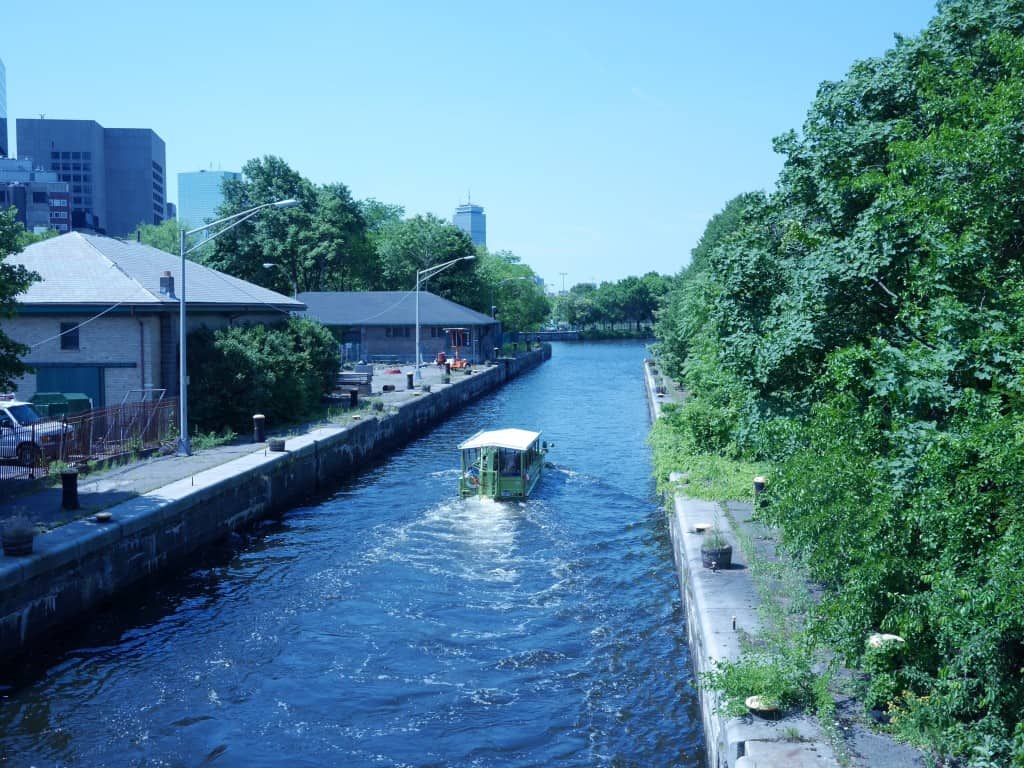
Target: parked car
(26, 436)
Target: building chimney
(166, 284)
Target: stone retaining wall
(719, 606)
(82, 564)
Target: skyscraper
(200, 195)
(471, 220)
(116, 174)
(3, 110)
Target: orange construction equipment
(458, 337)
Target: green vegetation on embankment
(860, 328)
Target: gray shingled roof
(388, 308)
(89, 269)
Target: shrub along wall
(279, 371)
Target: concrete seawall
(720, 605)
(78, 566)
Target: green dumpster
(51, 405)
(78, 402)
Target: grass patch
(708, 476)
(201, 440)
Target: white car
(26, 436)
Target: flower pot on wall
(17, 535)
(716, 556)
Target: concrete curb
(719, 605)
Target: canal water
(392, 624)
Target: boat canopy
(516, 439)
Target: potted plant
(715, 550)
(17, 534)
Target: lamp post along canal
(295, 280)
(499, 284)
(421, 275)
(228, 222)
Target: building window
(87, 155)
(38, 197)
(55, 155)
(3, 196)
(78, 201)
(65, 155)
(69, 335)
(397, 332)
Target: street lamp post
(295, 280)
(421, 275)
(500, 283)
(228, 222)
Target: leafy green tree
(280, 371)
(166, 235)
(406, 246)
(14, 279)
(861, 325)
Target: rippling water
(392, 624)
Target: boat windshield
(509, 462)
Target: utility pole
(563, 274)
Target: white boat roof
(517, 439)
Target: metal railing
(92, 436)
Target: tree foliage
(861, 326)
(279, 371)
(14, 279)
(631, 302)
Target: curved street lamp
(500, 283)
(423, 274)
(228, 222)
(295, 282)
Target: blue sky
(599, 137)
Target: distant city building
(200, 195)
(471, 220)
(172, 211)
(42, 200)
(3, 110)
(116, 174)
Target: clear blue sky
(599, 137)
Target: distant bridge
(549, 336)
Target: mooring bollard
(408, 381)
(259, 428)
(353, 398)
(69, 488)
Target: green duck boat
(501, 463)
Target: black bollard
(408, 381)
(448, 368)
(259, 428)
(69, 485)
(353, 398)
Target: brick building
(103, 319)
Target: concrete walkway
(41, 500)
